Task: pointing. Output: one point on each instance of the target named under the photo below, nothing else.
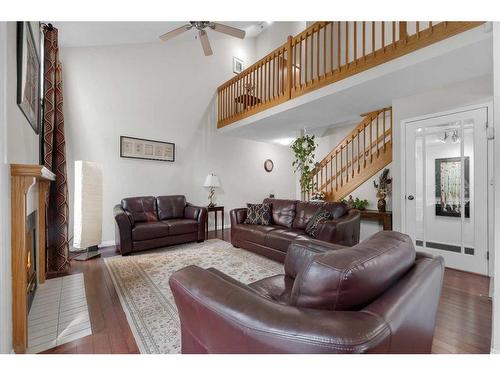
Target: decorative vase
(381, 204)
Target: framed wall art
(28, 75)
(449, 187)
(138, 148)
(237, 65)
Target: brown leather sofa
(148, 222)
(289, 220)
(376, 297)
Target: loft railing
(322, 54)
(361, 154)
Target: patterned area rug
(141, 282)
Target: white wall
(478, 90)
(275, 35)
(164, 91)
(18, 144)
(496, 296)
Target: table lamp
(211, 182)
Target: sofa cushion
(181, 226)
(314, 225)
(337, 209)
(350, 278)
(253, 233)
(141, 208)
(171, 206)
(283, 211)
(147, 231)
(304, 212)
(280, 239)
(258, 214)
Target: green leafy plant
(303, 149)
(358, 204)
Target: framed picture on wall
(449, 187)
(28, 75)
(237, 65)
(138, 148)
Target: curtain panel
(54, 156)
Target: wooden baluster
(346, 44)
(312, 57)
(431, 26)
(331, 169)
(371, 141)
(331, 47)
(305, 60)
(373, 38)
(390, 126)
(403, 33)
(357, 152)
(273, 77)
(268, 72)
(260, 84)
(324, 50)
(341, 165)
(418, 29)
(352, 155)
(317, 52)
(347, 161)
(383, 36)
(336, 169)
(364, 40)
(338, 44)
(247, 96)
(376, 137)
(364, 145)
(302, 65)
(355, 24)
(393, 34)
(385, 143)
(321, 186)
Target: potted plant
(358, 204)
(303, 149)
(318, 196)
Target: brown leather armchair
(376, 297)
(289, 220)
(148, 222)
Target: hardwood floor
(463, 323)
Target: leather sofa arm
(343, 231)
(123, 230)
(300, 252)
(218, 315)
(238, 216)
(200, 214)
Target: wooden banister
(324, 53)
(361, 154)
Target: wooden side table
(216, 209)
(384, 218)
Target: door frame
(490, 157)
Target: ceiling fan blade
(175, 32)
(205, 43)
(229, 30)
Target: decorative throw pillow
(258, 214)
(314, 224)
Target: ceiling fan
(201, 26)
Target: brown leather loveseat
(289, 220)
(376, 297)
(147, 222)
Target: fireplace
(31, 262)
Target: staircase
(357, 158)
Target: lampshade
(87, 230)
(212, 181)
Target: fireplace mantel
(23, 176)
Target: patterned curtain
(54, 153)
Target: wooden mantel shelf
(23, 176)
(32, 170)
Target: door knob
(411, 197)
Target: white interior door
(447, 188)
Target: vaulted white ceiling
(84, 34)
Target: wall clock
(268, 165)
